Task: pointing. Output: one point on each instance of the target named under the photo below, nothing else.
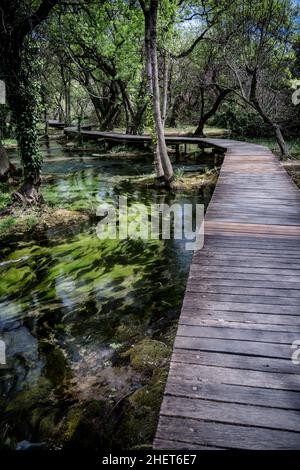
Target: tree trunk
(164, 167)
(199, 132)
(284, 150)
(210, 113)
(23, 92)
(165, 89)
(68, 104)
(7, 169)
(136, 123)
(281, 142)
(172, 120)
(253, 101)
(66, 83)
(134, 114)
(18, 52)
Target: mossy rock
(25, 412)
(137, 426)
(56, 368)
(125, 332)
(85, 425)
(148, 354)
(30, 398)
(48, 424)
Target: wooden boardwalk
(129, 139)
(232, 384)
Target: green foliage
(179, 173)
(6, 224)
(241, 121)
(103, 51)
(4, 196)
(150, 123)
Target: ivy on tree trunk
(25, 100)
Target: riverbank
(36, 220)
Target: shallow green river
(88, 324)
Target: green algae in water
(88, 323)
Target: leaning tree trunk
(281, 142)
(199, 132)
(164, 167)
(253, 101)
(284, 150)
(210, 113)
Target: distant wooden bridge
(232, 383)
(139, 140)
(86, 132)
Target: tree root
(28, 194)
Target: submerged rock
(26, 445)
(86, 425)
(138, 421)
(148, 354)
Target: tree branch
(32, 21)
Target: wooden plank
(177, 445)
(195, 286)
(281, 351)
(212, 241)
(251, 299)
(264, 397)
(192, 431)
(234, 413)
(211, 275)
(243, 334)
(215, 303)
(196, 315)
(211, 280)
(215, 319)
(241, 261)
(261, 252)
(292, 273)
(234, 361)
(198, 374)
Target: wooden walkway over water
(232, 384)
(131, 139)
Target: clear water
(70, 303)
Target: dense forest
(102, 99)
(137, 65)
